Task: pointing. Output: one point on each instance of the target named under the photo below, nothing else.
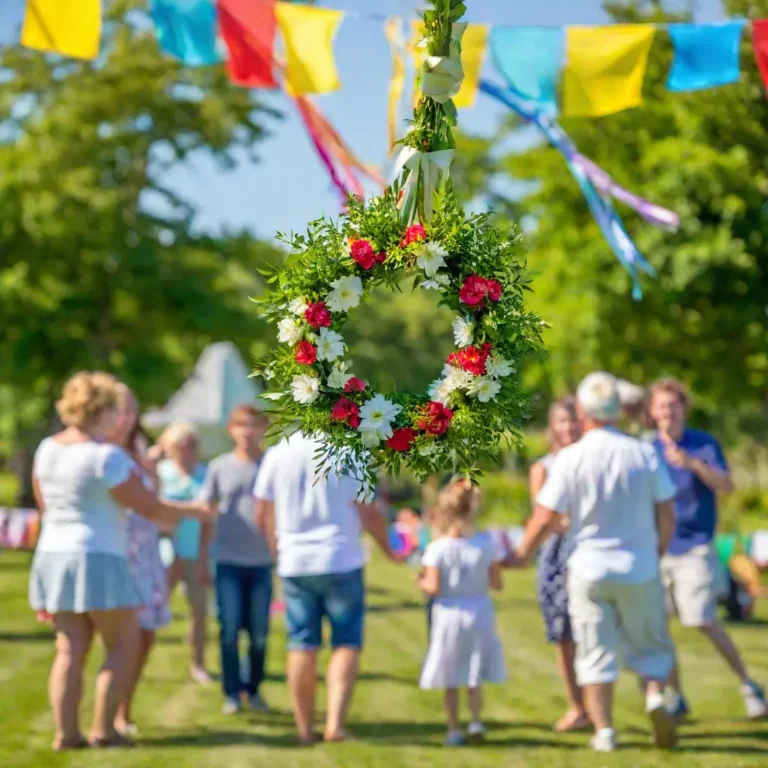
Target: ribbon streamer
(427, 170)
(395, 36)
(443, 75)
(596, 185)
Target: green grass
(394, 722)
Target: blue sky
(289, 186)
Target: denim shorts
(338, 596)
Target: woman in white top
(459, 569)
(84, 488)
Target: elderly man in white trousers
(617, 498)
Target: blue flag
(706, 55)
(530, 59)
(187, 30)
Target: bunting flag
(760, 41)
(605, 68)
(308, 33)
(706, 55)
(474, 44)
(530, 60)
(393, 29)
(248, 30)
(69, 27)
(187, 30)
(596, 185)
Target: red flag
(248, 29)
(760, 39)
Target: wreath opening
(414, 231)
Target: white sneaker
(476, 731)
(663, 722)
(604, 740)
(230, 707)
(455, 739)
(754, 700)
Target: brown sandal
(65, 746)
(113, 742)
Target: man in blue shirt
(690, 570)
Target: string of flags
(586, 71)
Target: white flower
(463, 332)
(298, 307)
(339, 376)
(345, 295)
(306, 389)
(453, 379)
(289, 330)
(432, 257)
(330, 345)
(485, 389)
(377, 416)
(428, 449)
(497, 367)
(436, 283)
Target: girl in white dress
(459, 570)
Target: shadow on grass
(208, 739)
(27, 637)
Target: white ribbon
(427, 171)
(443, 75)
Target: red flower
(434, 418)
(306, 354)
(471, 359)
(354, 385)
(413, 235)
(402, 439)
(476, 289)
(346, 411)
(317, 315)
(381, 257)
(361, 251)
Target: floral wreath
(478, 271)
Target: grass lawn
(395, 723)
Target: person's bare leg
(65, 685)
(199, 621)
(475, 700)
(451, 702)
(664, 724)
(340, 681)
(119, 631)
(575, 717)
(123, 720)
(302, 680)
(722, 641)
(599, 702)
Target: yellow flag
(308, 34)
(605, 68)
(393, 28)
(69, 27)
(473, 46)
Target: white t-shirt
(317, 522)
(463, 563)
(80, 514)
(608, 483)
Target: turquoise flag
(530, 60)
(187, 29)
(706, 55)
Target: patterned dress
(551, 581)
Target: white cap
(629, 394)
(598, 396)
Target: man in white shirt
(314, 524)
(618, 501)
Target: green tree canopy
(704, 155)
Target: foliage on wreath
(476, 401)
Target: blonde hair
(673, 386)
(85, 397)
(457, 504)
(176, 434)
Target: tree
(100, 262)
(704, 155)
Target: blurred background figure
(551, 577)
(143, 551)
(181, 478)
(634, 406)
